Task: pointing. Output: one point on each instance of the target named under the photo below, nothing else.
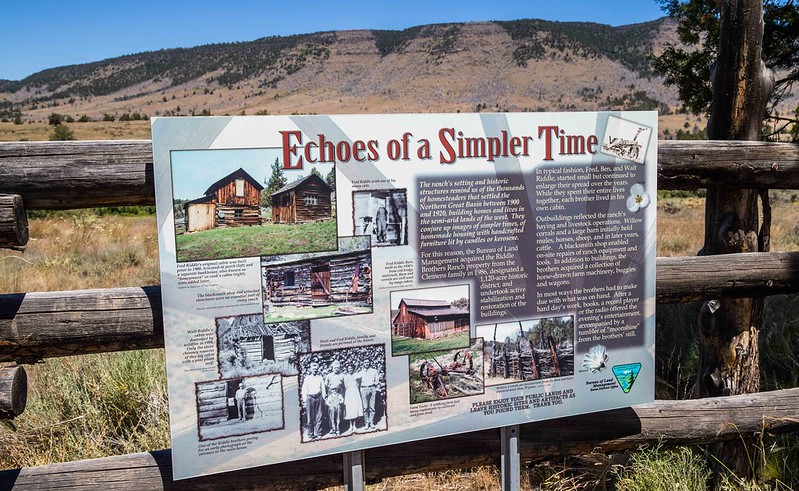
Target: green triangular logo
(626, 375)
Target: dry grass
(681, 225)
(97, 130)
(94, 405)
(480, 478)
(88, 407)
(82, 250)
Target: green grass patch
(286, 313)
(656, 469)
(405, 346)
(90, 406)
(266, 240)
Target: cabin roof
(203, 199)
(258, 329)
(450, 312)
(419, 302)
(238, 174)
(316, 259)
(299, 182)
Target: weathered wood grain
(670, 422)
(756, 274)
(702, 164)
(77, 174)
(13, 391)
(40, 325)
(64, 175)
(13, 222)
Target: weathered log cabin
(233, 200)
(216, 404)
(254, 341)
(429, 319)
(304, 200)
(330, 279)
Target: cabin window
(238, 213)
(239, 188)
(311, 199)
(288, 278)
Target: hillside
(524, 65)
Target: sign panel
(333, 283)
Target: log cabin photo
(222, 205)
(246, 345)
(430, 319)
(239, 406)
(313, 286)
(531, 349)
(232, 201)
(307, 199)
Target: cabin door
(200, 216)
(269, 348)
(232, 408)
(320, 281)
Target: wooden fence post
(13, 391)
(13, 222)
(728, 328)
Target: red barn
(429, 319)
(304, 200)
(231, 201)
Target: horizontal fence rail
(41, 325)
(69, 175)
(670, 422)
(34, 326)
(84, 174)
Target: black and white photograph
(447, 374)
(343, 392)
(530, 349)
(313, 286)
(382, 214)
(239, 406)
(249, 346)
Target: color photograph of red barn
(430, 319)
(233, 200)
(308, 199)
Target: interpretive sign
(332, 283)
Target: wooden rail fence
(35, 326)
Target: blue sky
(194, 171)
(40, 34)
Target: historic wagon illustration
(234, 200)
(247, 345)
(307, 199)
(428, 319)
